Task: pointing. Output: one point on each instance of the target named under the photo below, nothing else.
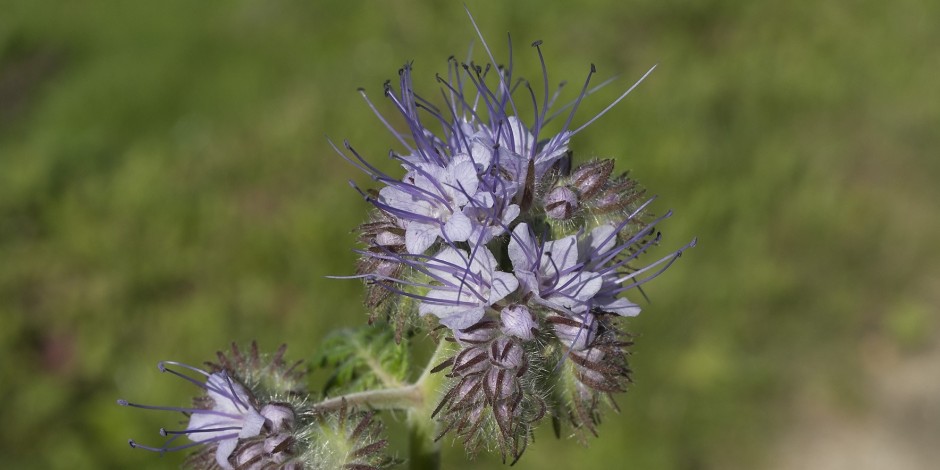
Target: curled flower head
(492, 391)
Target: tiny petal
(223, 451)
(418, 240)
(561, 203)
(455, 319)
(622, 307)
(518, 321)
(503, 285)
(458, 228)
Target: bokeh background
(166, 187)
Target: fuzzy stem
(419, 399)
(424, 450)
(399, 398)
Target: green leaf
(365, 358)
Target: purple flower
(464, 286)
(223, 417)
(517, 148)
(552, 271)
(574, 276)
(430, 201)
(479, 175)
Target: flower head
(524, 259)
(226, 415)
(248, 414)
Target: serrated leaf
(362, 359)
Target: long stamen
(611, 105)
(123, 402)
(503, 85)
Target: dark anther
(537, 43)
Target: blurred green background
(166, 188)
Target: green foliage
(363, 358)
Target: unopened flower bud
(277, 445)
(280, 416)
(518, 321)
(576, 334)
(617, 195)
(479, 333)
(506, 353)
(470, 361)
(561, 203)
(589, 178)
(499, 384)
(608, 201)
(389, 239)
(247, 455)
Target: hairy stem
(424, 450)
(419, 399)
(399, 398)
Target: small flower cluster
(525, 260)
(254, 415)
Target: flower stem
(419, 399)
(423, 448)
(399, 398)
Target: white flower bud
(518, 321)
(561, 203)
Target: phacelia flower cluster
(253, 414)
(490, 233)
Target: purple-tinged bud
(468, 388)
(386, 268)
(575, 334)
(618, 195)
(499, 384)
(278, 444)
(589, 178)
(381, 230)
(506, 353)
(519, 322)
(280, 416)
(592, 355)
(249, 455)
(608, 201)
(561, 203)
(479, 333)
(388, 238)
(470, 361)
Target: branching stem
(418, 399)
